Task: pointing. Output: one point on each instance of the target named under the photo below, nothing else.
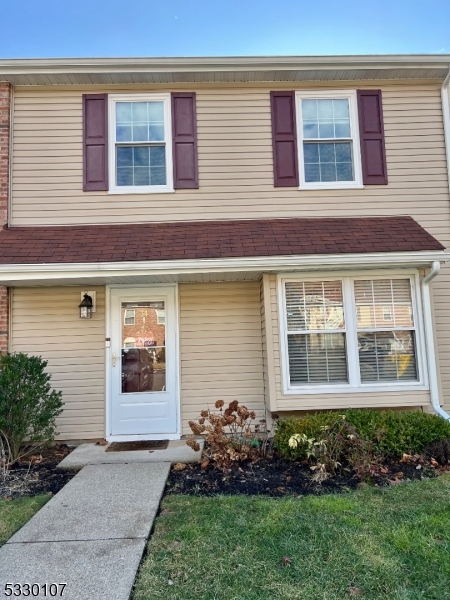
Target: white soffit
(110, 71)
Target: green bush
(391, 433)
(28, 405)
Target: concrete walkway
(91, 454)
(91, 535)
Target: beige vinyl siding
(220, 347)
(235, 168)
(45, 322)
(304, 402)
(235, 161)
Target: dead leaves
(286, 561)
(356, 592)
(179, 466)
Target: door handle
(113, 359)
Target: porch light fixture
(86, 307)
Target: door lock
(113, 359)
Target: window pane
(143, 347)
(140, 121)
(139, 111)
(312, 173)
(314, 305)
(387, 356)
(317, 358)
(328, 172)
(328, 161)
(326, 118)
(309, 110)
(141, 165)
(376, 298)
(125, 176)
(123, 112)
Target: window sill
(332, 186)
(125, 191)
(302, 391)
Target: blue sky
(80, 28)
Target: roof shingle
(212, 239)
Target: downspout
(429, 341)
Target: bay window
(350, 333)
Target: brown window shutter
(371, 132)
(184, 133)
(284, 139)
(95, 142)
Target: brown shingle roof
(212, 239)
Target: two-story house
(271, 230)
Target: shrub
(339, 444)
(28, 405)
(229, 439)
(391, 433)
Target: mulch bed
(277, 477)
(37, 474)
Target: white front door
(143, 362)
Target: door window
(143, 347)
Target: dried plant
(229, 438)
(5, 454)
(339, 445)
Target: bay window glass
(387, 350)
(379, 333)
(316, 332)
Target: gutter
(429, 342)
(14, 273)
(445, 96)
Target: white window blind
(386, 347)
(350, 333)
(129, 316)
(316, 332)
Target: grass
(374, 543)
(15, 513)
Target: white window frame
(141, 189)
(159, 315)
(351, 96)
(133, 317)
(354, 385)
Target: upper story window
(329, 149)
(129, 316)
(140, 143)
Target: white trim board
(16, 273)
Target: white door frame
(108, 359)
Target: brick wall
(5, 96)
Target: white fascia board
(15, 273)
(219, 63)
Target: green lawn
(390, 544)
(15, 513)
